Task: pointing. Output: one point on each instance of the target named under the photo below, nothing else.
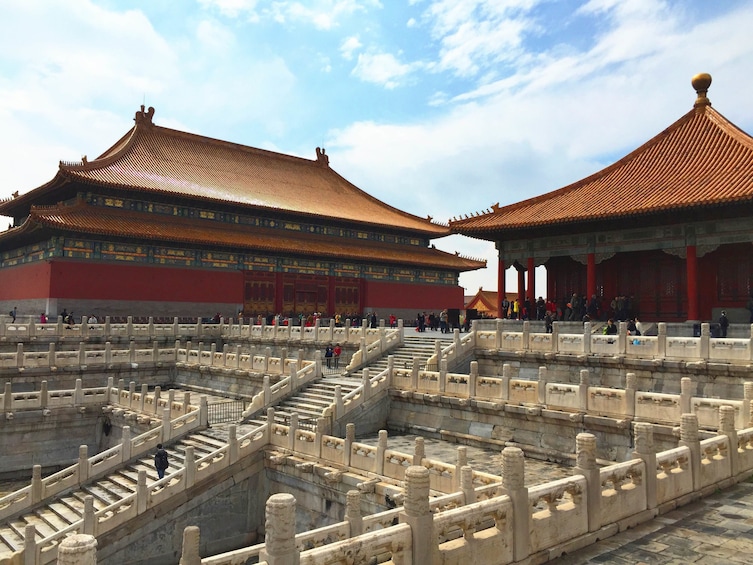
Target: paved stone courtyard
(714, 530)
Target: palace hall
(168, 223)
(669, 226)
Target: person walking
(160, 461)
(337, 351)
(723, 324)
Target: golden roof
(160, 160)
(701, 160)
(82, 218)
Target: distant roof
(156, 159)
(699, 161)
(103, 221)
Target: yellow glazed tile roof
(160, 160)
(701, 160)
(83, 218)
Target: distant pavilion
(670, 224)
(169, 223)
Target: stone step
(42, 528)
(55, 520)
(11, 541)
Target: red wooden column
(331, 295)
(278, 293)
(521, 287)
(531, 282)
(501, 293)
(590, 277)
(691, 263)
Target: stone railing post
(381, 449)
(555, 337)
(266, 390)
(76, 549)
(129, 327)
(167, 426)
(279, 539)
(705, 340)
(686, 392)
(583, 391)
(339, 405)
(622, 338)
(212, 352)
(51, 355)
(7, 397)
(473, 379)
(90, 522)
(586, 337)
(132, 395)
(513, 483)
(690, 439)
(20, 355)
(270, 424)
(83, 464)
(190, 465)
(125, 444)
(143, 395)
(586, 466)
(526, 341)
(506, 376)
(142, 493)
(44, 395)
(366, 383)
(414, 374)
(541, 387)
(645, 451)
(293, 375)
(36, 484)
(630, 389)
(353, 513)
(498, 334)
(437, 355)
(747, 397)
(727, 428)
(466, 485)
(78, 393)
(661, 339)
(462, 461)
(176, 327)
(419, 452)
(443, 375)
(350, 437)
(189, 554)
(417, 513)
(390, 369)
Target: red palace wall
(412, 296)
(92, 281)
(25, 281)
(99, 288)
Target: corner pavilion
(167, 223)
(670, 225)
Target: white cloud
(383, 69)
(324, 15)
(232, 8)
(349, 46)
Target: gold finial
(701, 83)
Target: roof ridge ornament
(144, 118)
(701, 83)
(321, 157)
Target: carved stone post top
(382, 441)
(466, 477)
(513, 468)
(689, 428)
(644, 437)
(280, 524)
(686, 385)
(542, 373)
(748, 390)
(353, 503)
(585, 447)
(630, 381)
(462, 455)
(350, 432)
(726, 419)
(420, 448)
(507, 370)
(417, 491)
(584, 376)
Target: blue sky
(437, 107)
